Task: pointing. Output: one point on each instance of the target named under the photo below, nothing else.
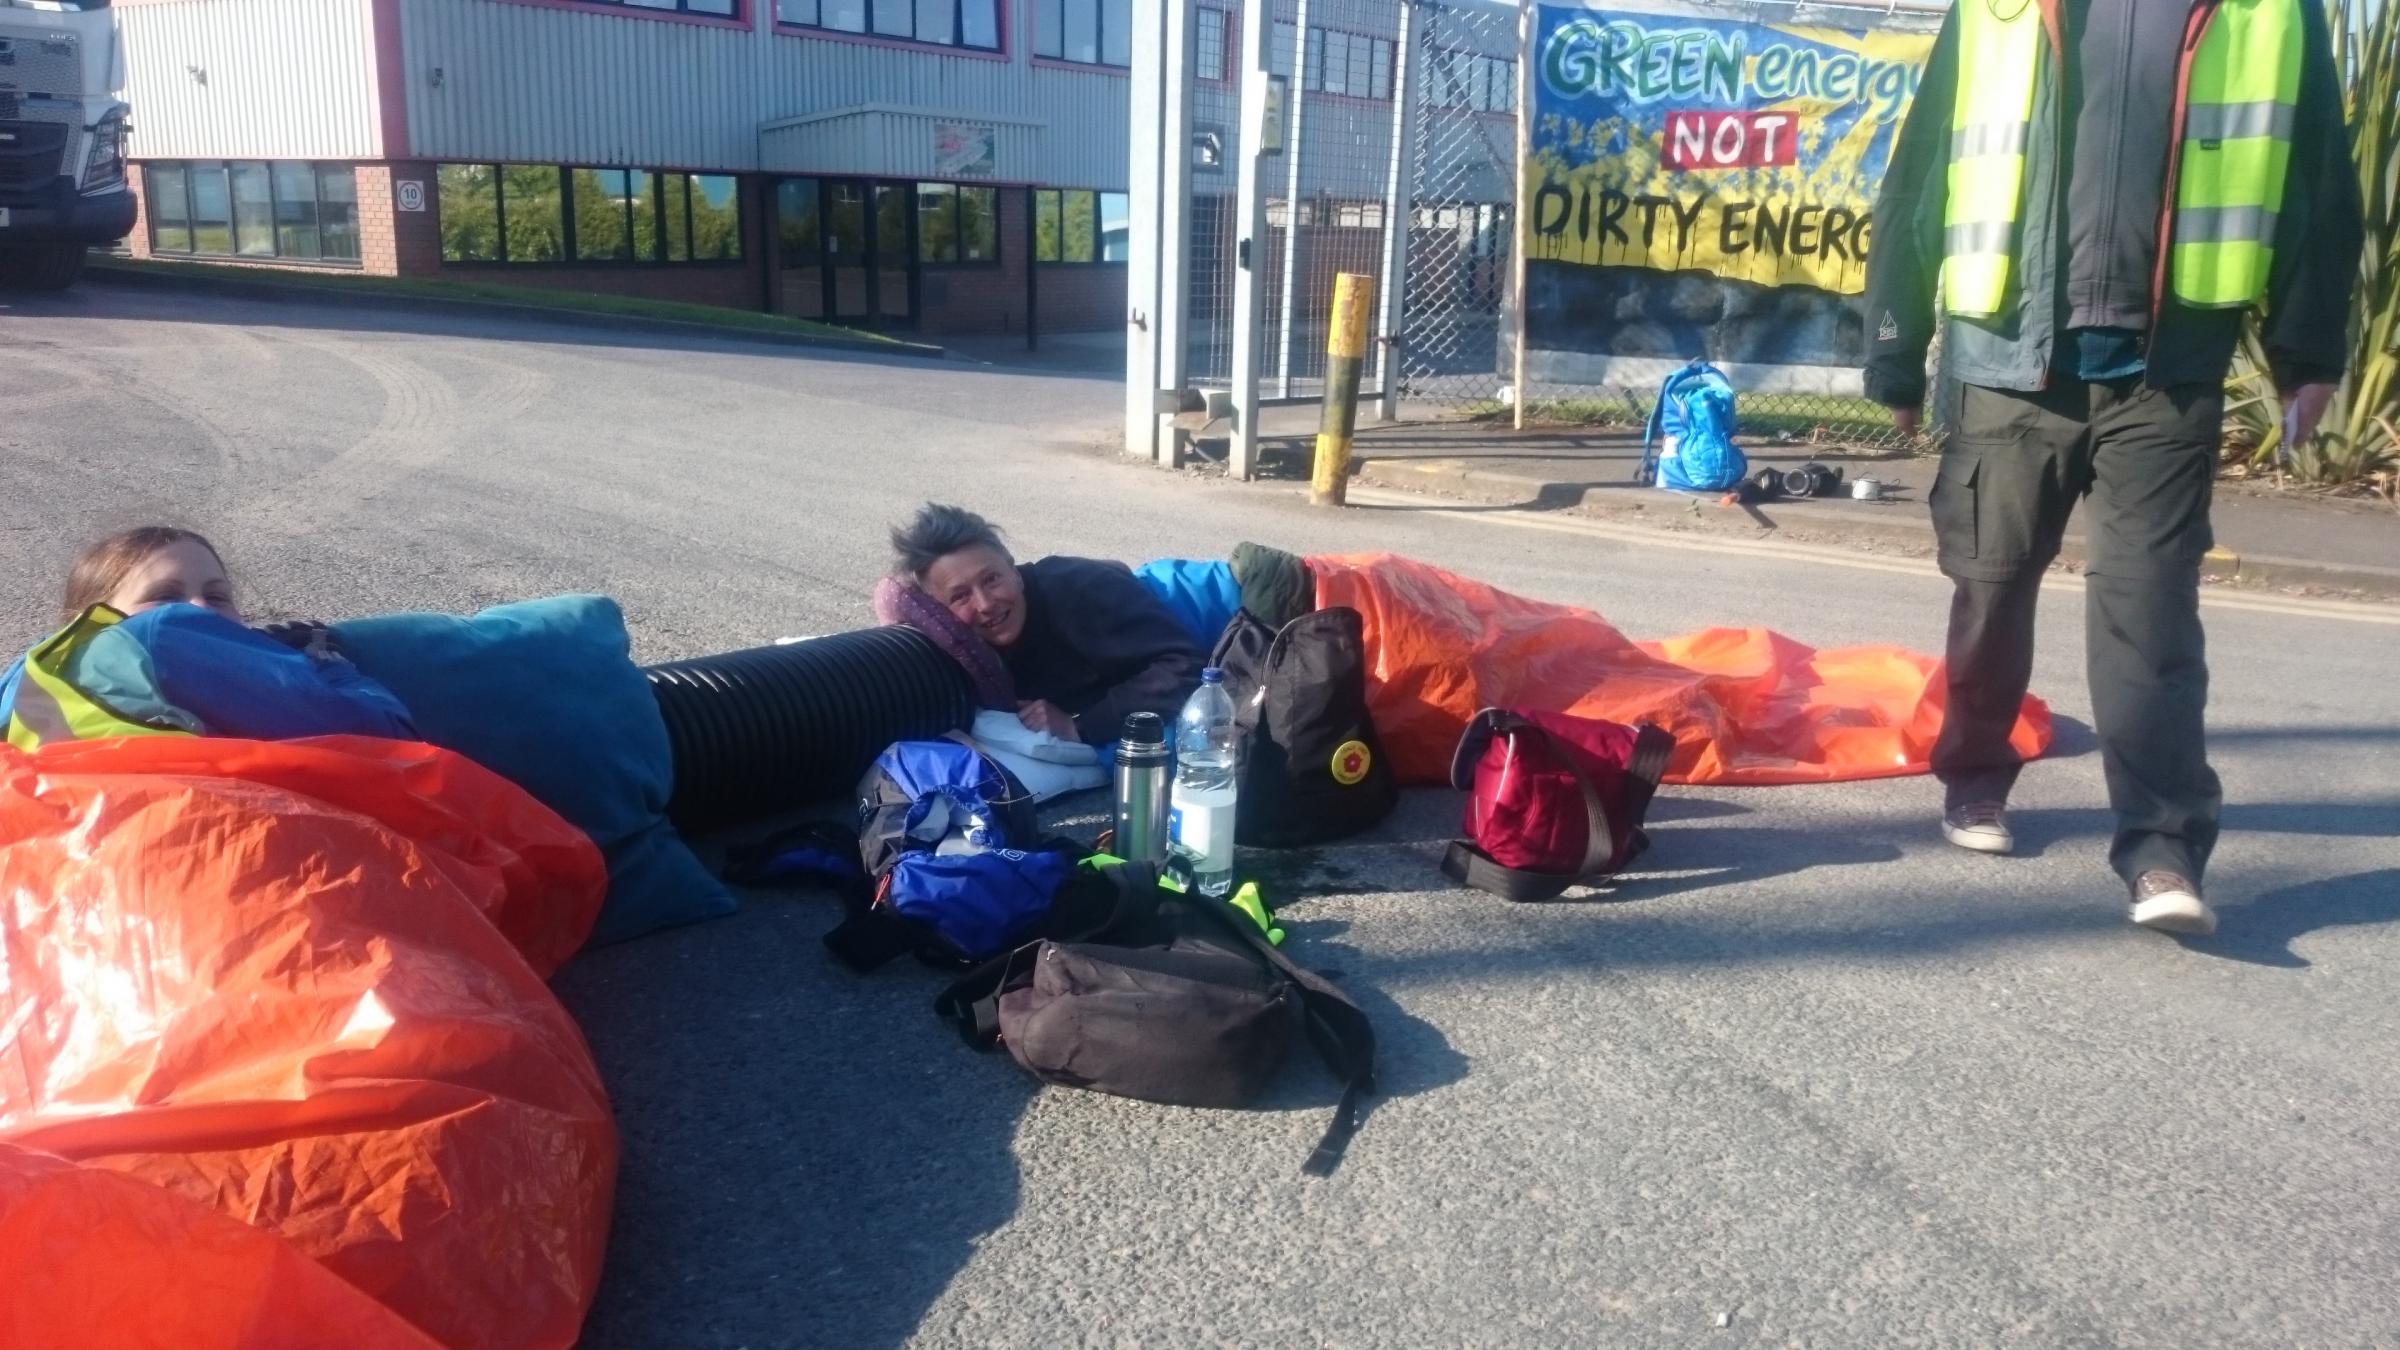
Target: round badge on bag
(1351, 762)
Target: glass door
(895, 255)
(849, 252)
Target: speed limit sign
(409, 194)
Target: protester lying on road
(153, 642)
(152, 565)
(1083, 642)
(136, 570)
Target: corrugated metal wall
(892, 142)
(526, 83)
(277, 79)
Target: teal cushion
(545, 694)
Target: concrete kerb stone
(263, 289)
(1872, 532)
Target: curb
(1486, 486)
(136, 277)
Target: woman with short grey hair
(1084, 641)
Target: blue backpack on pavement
(1688, 446)
(952, 844)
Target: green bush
(2358, 445)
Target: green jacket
(2318, 237)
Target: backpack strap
(1469, 865)
(971, 1005)
(1343, 1036)
(1341, 1033)
(871, 936)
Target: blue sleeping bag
(182, 665)
(1203, 595)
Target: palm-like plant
(2359, 441)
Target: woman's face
(181, 573)
(980, 586)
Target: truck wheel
(40, 267)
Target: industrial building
(933, 166)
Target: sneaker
(2167, 902)
(1981, 826)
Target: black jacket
(1099, 645)
(2319, 233)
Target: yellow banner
(1745, 150)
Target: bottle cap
(1145, 729)
(1212, 675)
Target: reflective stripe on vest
(2240, 102)
(1999, 58)
(49, 706)
(2240, 99)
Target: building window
(165, 189)
(519, 213)
(1088, 32)
(1351, 64)
(796, 222)
(1471, 81)
(286, 209)
(723, 9)
(714, 207)
(973, 24)
(533, 217)
(958, 224)
(1073, 225)
(1213, 50)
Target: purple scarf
(897, 602)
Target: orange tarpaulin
(1746, 706)
(277, 1062)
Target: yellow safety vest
(2241, 94)
(50, 706)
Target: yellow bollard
(1345, 352)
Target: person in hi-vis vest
(2098, 192)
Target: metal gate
(1369, 136)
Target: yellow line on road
(1653, 536)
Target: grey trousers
(2145, 460)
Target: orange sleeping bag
(1746, 706)
(278, 1066)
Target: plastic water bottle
(1207, 770)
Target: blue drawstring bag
(1688, 446)
(952, 841)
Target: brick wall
(416, 235)
(1082, 298)
(378, 223)
(980, 299)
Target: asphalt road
(1811, 1078)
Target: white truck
(62, 140)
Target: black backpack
(1172, 998)
(1312, 767)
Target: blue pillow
(545, 694)
(1202, 594)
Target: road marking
(2211, 597)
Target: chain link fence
(1437, 79)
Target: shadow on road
(2261, 931)
(809, 1155)
(2042, 828)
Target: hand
(1907, 419)
(2303, 409)
(1043, 715)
